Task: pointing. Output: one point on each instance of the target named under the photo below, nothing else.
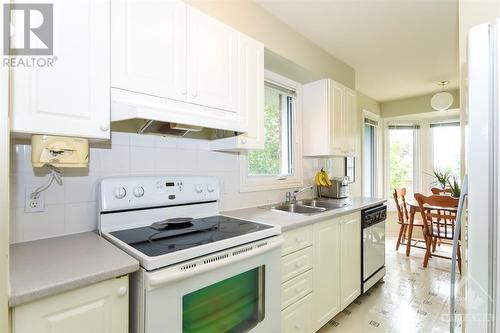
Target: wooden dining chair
(399, 196)
(440, 191)
(438, 225)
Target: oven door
(236, 290)
(373, 249)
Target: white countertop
(288, 221)
(49, 266)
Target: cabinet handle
(298, 290)
(183, 92)
(298, 327)
(298, 264)
(194, 94)
(299, 239)
(104, 127)
(122, 291)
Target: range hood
(146, 114)
(164, 128)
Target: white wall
(4, 199)
(71, 208)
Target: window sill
(247, 185)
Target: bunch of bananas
(322, 178)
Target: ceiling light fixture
(442, 100)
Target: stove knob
(138, 191)
(198, 188)
(120, 192)
(210, 188)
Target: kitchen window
(278, 165)
(446, 146)
(370, 157)
(403, 159)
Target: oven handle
(170, 276)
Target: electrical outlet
(33, 205)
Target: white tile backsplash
(71, 208)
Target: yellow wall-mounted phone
(59, 151)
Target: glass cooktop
(177, 234)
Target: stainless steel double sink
(308, 207)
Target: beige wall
(367, 103)
(251, 19)
(413, 105)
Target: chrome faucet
(292, 196)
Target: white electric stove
(200, 271)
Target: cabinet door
(72, 97)
(350, 258)
(251, 100)
(212, 48)
(102, 307)
(337, 122)
(350, 122)
(148, 43)
(252, 92)
(297, 317)
(326, 273)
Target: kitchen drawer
(296, 263)
(296, 288)
(296, 239)
(297, 318)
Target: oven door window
(232, 305)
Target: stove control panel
(135, 192)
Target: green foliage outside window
(267, 161)
(401, 162)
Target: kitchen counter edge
(289, 221)
(36, 269)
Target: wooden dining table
(415, 208)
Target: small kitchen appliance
(200, 271)
(338, 190)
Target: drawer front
(297, 318)
(296, 263)
(296, 239)
(296, 288)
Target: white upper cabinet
(251, 101)
(330, 119)
(213, 77)
(173, 63)
(72, 97)
(149, 47)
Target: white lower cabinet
(326, 271)
(297, 317)
(101, 307)
(321, 272)
(350, 259)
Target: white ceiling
(398, 48)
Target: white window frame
(262, 183)
(417, 134)
(422, 150)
